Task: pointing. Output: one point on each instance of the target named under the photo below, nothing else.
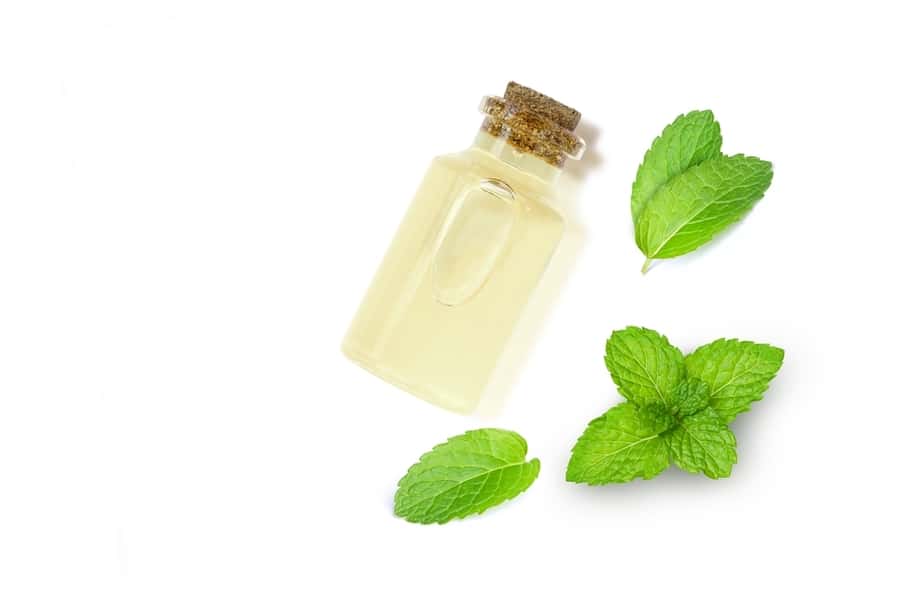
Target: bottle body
(457, 276)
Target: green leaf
(703, 442)
(690, 397)
(618, 447)
(687, 141)
(691, 208)
(465, 475)
(736, 372)
(657, 416)
(644, 365)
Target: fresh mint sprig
(677, 408)
(686, 191)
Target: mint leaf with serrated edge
(643, 364)
(689, 140)
(694, 206)
(677, 409)
(685, 191)
(465, 475)
(737, 373)
(702, 442)
(618, 447)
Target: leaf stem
(646, 266)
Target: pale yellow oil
(458, 274)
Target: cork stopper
(534, 123)
(546, 106)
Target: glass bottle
(469, 252)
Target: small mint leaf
(465, 475)
(737, 373)
(618, 447)
(702, 442)
(644, 365)
(694, 206)
(687, 141)
(657, 416)
(691, 396)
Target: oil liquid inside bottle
(463, 263)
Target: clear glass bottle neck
(523, 161)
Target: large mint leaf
(736, 372)
(687, 141)
(465, 475)
(644, 365)
(702, 442)
(691, 208)
(618, 447)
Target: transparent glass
(460, 270)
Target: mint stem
(646, 266)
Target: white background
(194, 196)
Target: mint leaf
(687, 141)
(644, 365)
(694, 206)
(465, 475)
(703, 442)
(691, 396)
(736, 372)
(618, 447)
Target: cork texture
(545, 106)
(534, 123)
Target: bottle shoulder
(464, 172)
(475, 164)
